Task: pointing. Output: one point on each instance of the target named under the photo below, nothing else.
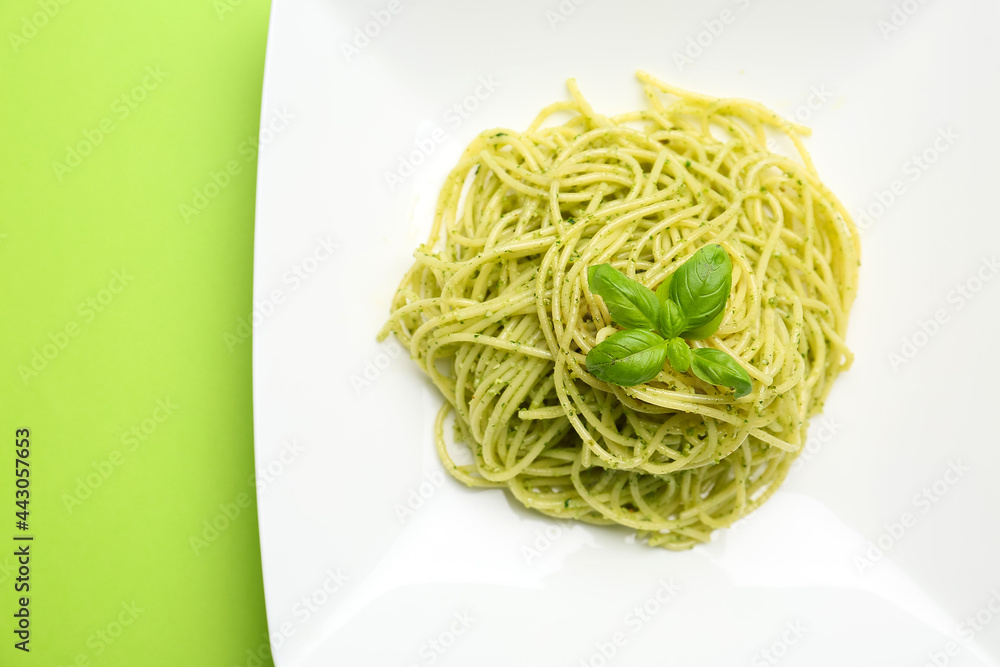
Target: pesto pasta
(498, 312)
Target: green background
(114, 116)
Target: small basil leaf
(663, 289)
(672, 320)
(700, 286)
(679, 355)
(628, 358)
(717, 367)
(630, 304)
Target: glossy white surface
(343, 424)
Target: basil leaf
(696, 333)
(628, 358)
(705, 330)
(700, 286)
(679, 354)
(631, 304)
(717, 367)
(672, 320)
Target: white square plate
(883, 546)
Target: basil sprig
(689, 305)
